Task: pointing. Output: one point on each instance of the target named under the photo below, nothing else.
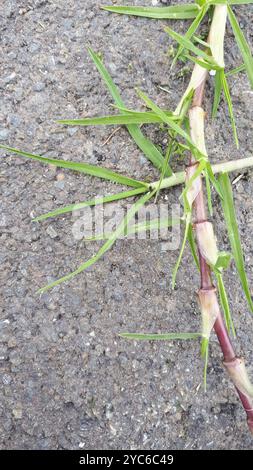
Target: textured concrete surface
(67, 379)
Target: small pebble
(59, 184)
(17, 412)
(40, 86)
(10, 78)
(51, 232)
(6, 379)
(4, 134)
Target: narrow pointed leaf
(192, 29)
(174, 12)
(166, 119)
(206, 65)
(240, 68)
(117, 119)
(213, 180)
(193, 247)
(233, 233)
(187, 44)
(86, 168)
(94, 202)
(230, 106)
(146, 146)
(175, 270)
(205, 355)
(242, 44)
(162, 336)
(225, 304)
(217, 92)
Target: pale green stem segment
(226, 167)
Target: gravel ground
(67, 379)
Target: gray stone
(39, 86)
(4, 134)
(51, 232)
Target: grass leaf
(93, 202)
(205, 355)
(190, 32)
(233, 233)
(242, 44)
(146, 146)
(166, 162)
(193, 247)
(92, 170)
(240, 68)
(213, 180)
(116, 119)
(175, 270)
(162, 336)
(225, 304)
(174, 12)
(206, 65)
(230, 106)
(187, 44)
(167, 120)
(217, 92)
(106, 246)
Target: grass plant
(185, 128)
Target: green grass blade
(175, 270)
(106, 246)
(233, 233)
(230, 106)
(200, 41)
(240, 68)
(174, 12)
(134, 111)
(166, 162)
(205, 354)
(213, 180)
(117, 119)
(187, 44)
(230, 2)
(225, 304)
(162, 336)
(167, 120)
(93, 202)
(146, 146)
(193, 247)
(206, 65)
(86, 168)
(242, 44)
(217, 92)
(240, 2)
(190, 32)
